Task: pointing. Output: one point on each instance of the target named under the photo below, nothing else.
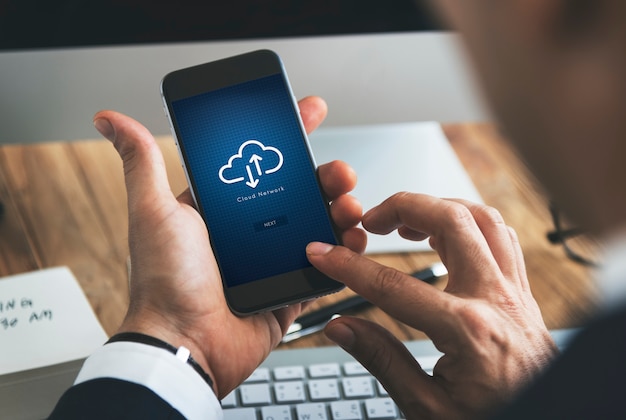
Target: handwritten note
(45, 319)
(17, 312)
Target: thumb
(385, 357)
(144, 168)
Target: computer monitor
(373, 62)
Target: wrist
(182, 353)
(175, 341)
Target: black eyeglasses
(576, 246)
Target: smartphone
(253, 177)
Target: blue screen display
(254, 180)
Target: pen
(315, 321)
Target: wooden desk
(65, 204)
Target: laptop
(390, 158)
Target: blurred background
(373, 61)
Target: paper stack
(47, 329)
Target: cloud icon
(252, 161)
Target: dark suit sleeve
(588, 381)
(107, 398)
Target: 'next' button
(270, 223)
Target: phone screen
(253, 178)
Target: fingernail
(341, 334)
(105, 128)
(319, 248)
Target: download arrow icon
(252, 183)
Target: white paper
(45, 319)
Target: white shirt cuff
(173, 380)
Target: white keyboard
(322, 383)
(317, 391)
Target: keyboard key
(324, 370)
(381, 389)
(380, 408)
(354, 368)
(289, 392)
(357, 387)
(323, 389)
(276, 412)
(288, 372)
(346, 410)
(240, 414)
(255, 394)
(311, 411)
(259, 375)
(230, 400)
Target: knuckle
(130, 154)
(126, 149)
(379, 360)
(349, 259)
(134, 149)
(479, 321)
(458, 214)
(489, 214)
(402, 195)
(513, 234)
(388, 281)
(399, 197)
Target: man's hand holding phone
(175, 289)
